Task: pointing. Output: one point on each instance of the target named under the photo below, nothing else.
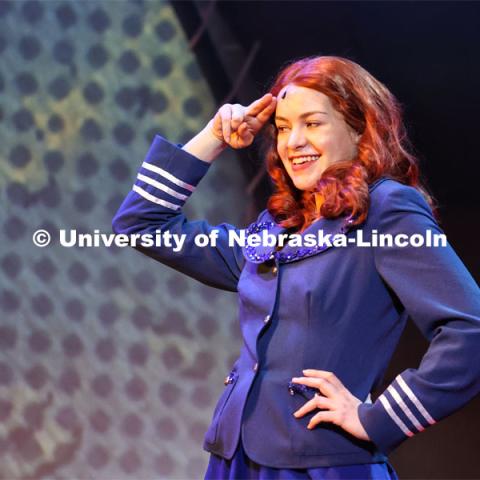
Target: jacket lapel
(327, 228)
(263, 252)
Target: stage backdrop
(110, 363)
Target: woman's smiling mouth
(303, 162)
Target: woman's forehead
(295, 98)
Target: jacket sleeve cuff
(386, 430)
(169, 175)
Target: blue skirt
(240, 467)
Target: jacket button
(274, 270)
(255, 367)
(266, 319)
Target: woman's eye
(282, 128)
(313, 124)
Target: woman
(321, 322)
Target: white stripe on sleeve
(394, 416)
(168, 176)
(405, 409)
(415, 400)
(161, 186)
(154, 199)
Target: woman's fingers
(329, 376)
(317, 401)
(244, 133)
(242, 137)
(260, 104)
(325, 416)
(237, 125)
(325, 387)
(232, 117)
(258, 112)
(238, 115)
(340, 407)
(226, 116)
(242, 129)
(266, 113)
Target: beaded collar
(261, 254)
(288, 254)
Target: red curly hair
(383, 149)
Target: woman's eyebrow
(306, 114)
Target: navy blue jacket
(340, 309)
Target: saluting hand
(337, 404)
(236, 125)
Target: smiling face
(311, 135)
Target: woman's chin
(304, 186)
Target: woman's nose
(296, 139)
